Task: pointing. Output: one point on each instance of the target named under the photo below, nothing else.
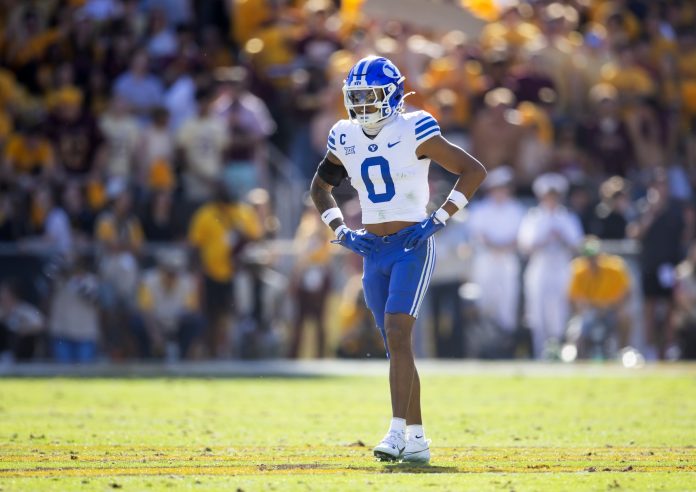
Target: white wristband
(341, 230)
(331, 214)
(458, 199)
(442, 215)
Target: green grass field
(490, 432)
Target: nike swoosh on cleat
(418, 437)
(423, 225)
(390, 145)
(406, 250)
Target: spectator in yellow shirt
(169, 319)
(28, 157)
(311, 279)
(219, 231)
(511, 31)
(599, 287)
(629, 78)
(686, 73)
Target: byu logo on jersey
(372, 148)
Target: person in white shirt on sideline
(494, 223)
(550, 235)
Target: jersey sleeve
(331, 141)
(426, 127)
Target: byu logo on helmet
(373, 91)
(390, 71)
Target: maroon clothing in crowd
(608, 146)
(76, 143)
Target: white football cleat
(391, 447)
(417, 451)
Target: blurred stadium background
(155, 157)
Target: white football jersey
(392, 182)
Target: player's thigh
(410, 279)
(375, 290)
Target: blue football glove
(422, 232)
(355, 242)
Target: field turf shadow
(418, 468)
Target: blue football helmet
(373, 91)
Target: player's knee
(398, 338)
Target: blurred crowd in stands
(147, 148)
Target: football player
(386, 153)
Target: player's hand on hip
(354, 241)
(422, 232)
